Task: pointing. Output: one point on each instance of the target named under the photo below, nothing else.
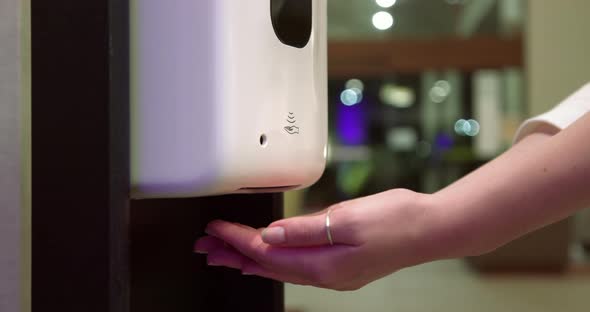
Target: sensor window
(292, 21)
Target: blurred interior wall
(558, 50)
(558, 60)
(10, 156)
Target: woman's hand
(373, 237)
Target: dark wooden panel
(71, 160)
(381, 58)
(119, 113)
(167, 276)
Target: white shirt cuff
(560, 117)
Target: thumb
(304, 231)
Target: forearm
(541, 180)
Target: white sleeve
(560, 117)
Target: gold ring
(328, 233)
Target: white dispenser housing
(228, 96)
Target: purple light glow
(443, 142)
(351, 126)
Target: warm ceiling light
(386, 3)
(382, 20)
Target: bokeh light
(383, 20)
(386, 3)
(440, 91)
(351, 96)
(459, 126)
(444, 85)
(355, 84)
(474, 127)
(467, 127)
(397, 96)
(402, 139)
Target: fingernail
(274, 235)
(247, 273)
(210, 225)
(200, 247)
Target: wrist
(432, 237)
(441, 236)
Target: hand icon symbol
(292, 129)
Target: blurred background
(422, 92)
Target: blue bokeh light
(351, 96)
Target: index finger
(308, 262)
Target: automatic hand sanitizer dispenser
(228, 96)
